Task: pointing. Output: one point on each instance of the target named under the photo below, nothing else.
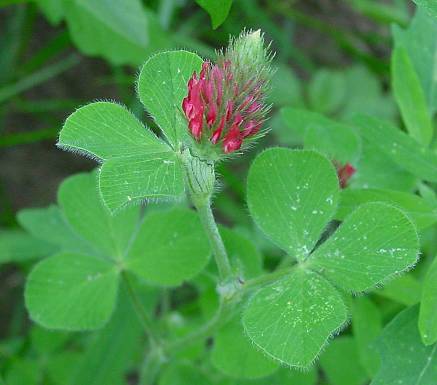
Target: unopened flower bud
(226, 103)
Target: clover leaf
(292, 196)
(137, 165)
(77, 288)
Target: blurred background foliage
(332, 58)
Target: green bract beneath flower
(226, 104)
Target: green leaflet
(17, 246)
(49, 224)
(327, 91)
(292, 319)
(169, 248)
(410, 97)
(81, 204)
(218, 10)
(77, 288)
(419, 40)
(135, 178)
(292, 195)
(403, 356)
(235, 356)
(401, 148)
(162, 85)
(122, 32)
(422, 213)
(428, 307)
(72, 291)
(106, 130)
(373, 244)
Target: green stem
(215, 240)
(141, 312)
(151, 367)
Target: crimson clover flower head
(344, 173)
(225, 106)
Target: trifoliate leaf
(292, 319)
(373, 244)
(292, 195)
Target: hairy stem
(215, 240)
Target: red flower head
(226, 101)
(345, 173)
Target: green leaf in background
(401, 148)
(72, 292)
(327, 91)
(18, 246)
(365, 95)
(183, 373)
(292, 319)
(336, 140)
(292, 195)
(375, 169)
(288, 376)
(403, 356)
(134, 158)
(410, 97)
(123, 32)
(111, 351)
(243, 255)
(405, 290)
(373, 244)
(419, 40)
(429, 5)
(428, 307)
(52, 9)
(286, 88)
(162, 85)
(422, 213)
(235, 355)
(23, 370)
(169, 248)
(366, 326)
(218, 10)
(343, 350)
